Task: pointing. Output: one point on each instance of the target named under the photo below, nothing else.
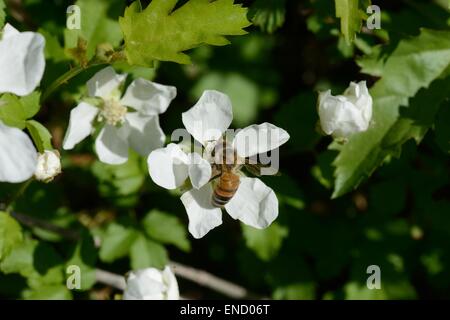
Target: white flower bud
(48, 166)
(344, 115)
(151, 284)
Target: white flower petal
(258, 139)
(105, 84)
(255, 204)
(210, 117)
(169, 279)
(22, 61)
(9, 31)
(151, 284)
(168, 167)
(203, 216)
(146, 134)
(359, 95)
(18, 156)
(148, 97)
(111, 145)
(199, 170)
(80, 124)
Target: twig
(110, 279)
(33, 222)
(198, 276)
(211, 281)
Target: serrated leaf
(348, 12)
(372, 63)
(10, 234)
(167, 229)
(41, 136)
(116, 242)
(98, 25)
(160, 33)
(414, 64)
(269, 15)
(145, 253)
(267, 242)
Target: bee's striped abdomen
(225, 189)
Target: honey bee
(226, 169)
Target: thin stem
(211, 281)
(17, 195)
(66, 77)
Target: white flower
(122, 128)
(151, 284)
(344, 115)
(22, 65)
(48, 166)
(254, 203)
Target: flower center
(112, 112)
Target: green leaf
(41, 136)
(372, 63)
(11, 111)
(296, 291)
(31, 104)
(85, 256)
(15, 111)
(145, 253)
(121, 183)
(98, 25)
(267, 242)
(168, 33)
(399, 289)
(116, 242)
(167, 229)
(53, 49)
(37, 261)
(269, 15)
(348, 11)
(2, 13)
(20, 260)
(414, 64)
(10, 234)
(49, 292)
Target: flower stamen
(112, 112)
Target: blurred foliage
(318, 248)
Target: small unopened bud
(346, 114)
(48, 166)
